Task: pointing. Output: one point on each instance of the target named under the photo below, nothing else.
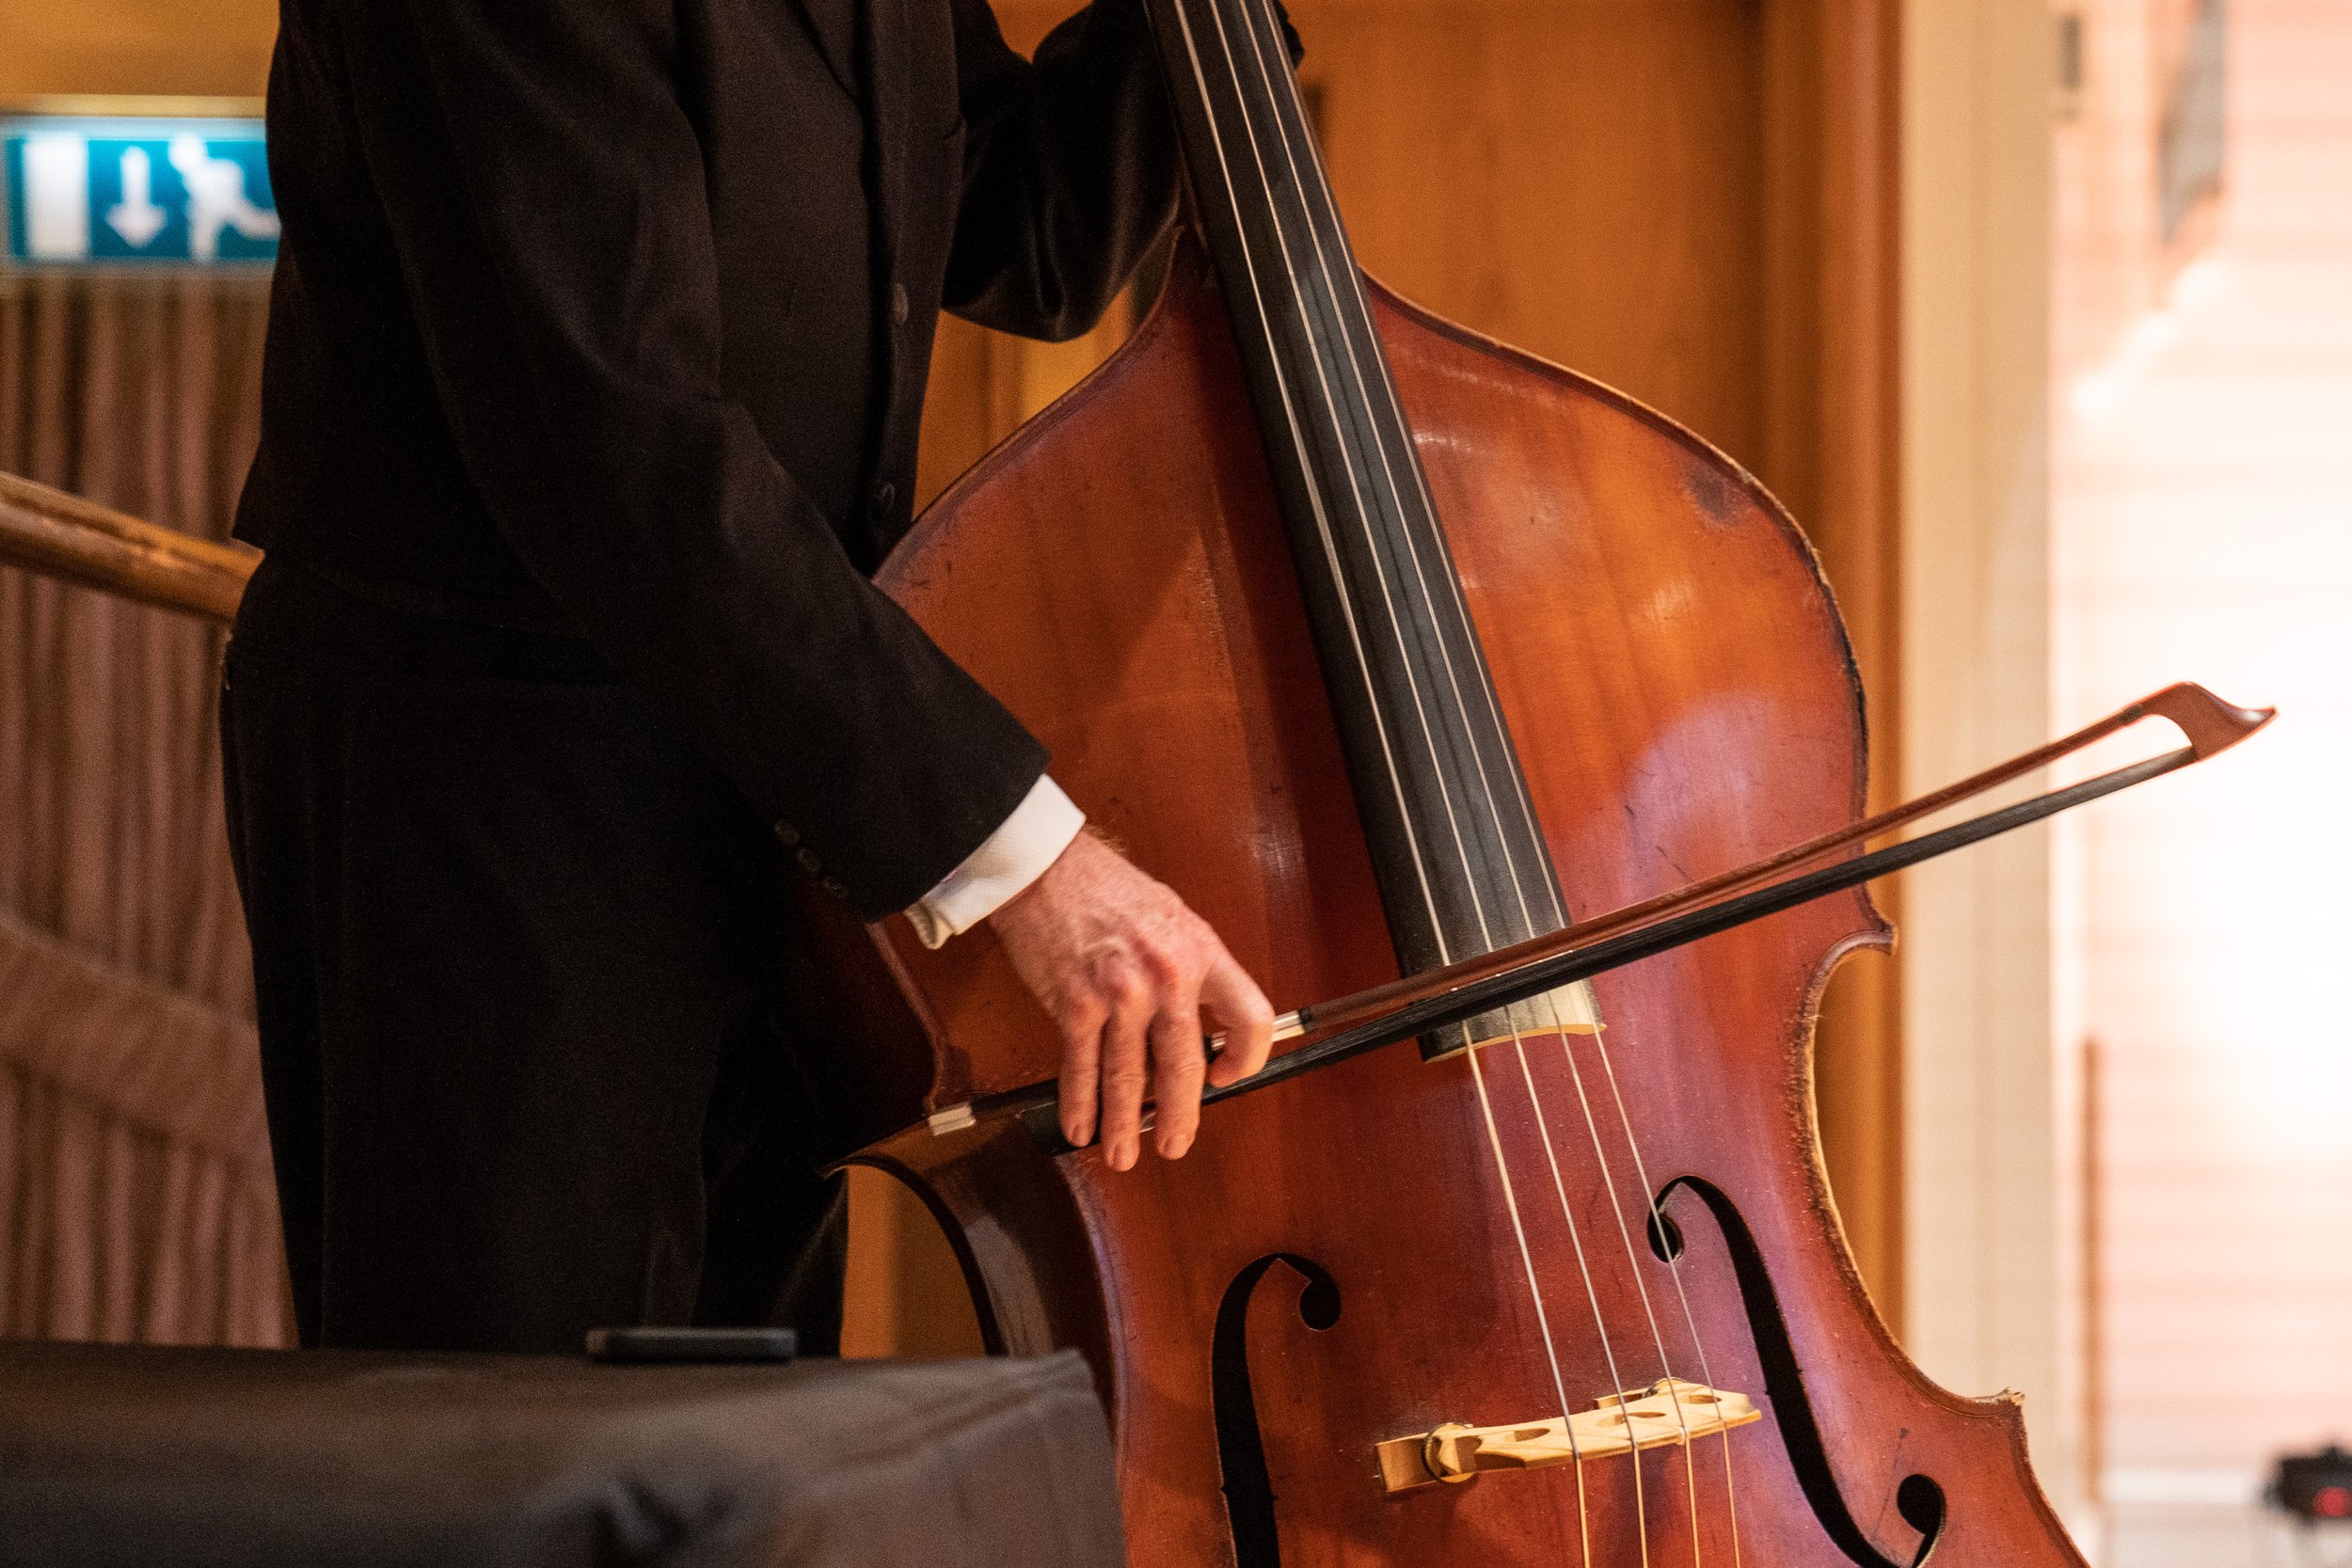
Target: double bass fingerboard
(1455, 845)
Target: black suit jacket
(611, 318)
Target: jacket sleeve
(1071, 168)
(544, 195)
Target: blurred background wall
(135, 1191)
(180, 48)
(2202, 521)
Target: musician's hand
(1125, 969)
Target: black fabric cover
(173, 1458)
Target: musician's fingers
(1124, 1050)
(1178, 1065)
(1081, 1023)
(1235, 1000)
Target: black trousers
(512, 953)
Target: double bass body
(1391, 1243)
(1333, 1264)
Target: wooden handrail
(64, 536)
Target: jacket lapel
(834, 25)
(884, 25)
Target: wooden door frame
(1832, 308)
(1993, 1200)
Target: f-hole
(1240, 1445)
(1918, 1498)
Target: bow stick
(1418, 1004)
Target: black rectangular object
(179, 1458)
(641, 1345)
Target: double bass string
(1657, 1220)
(1535, 1286)
(1290, 410)
(1583, 1268)
(1291, 136)
(1485, 1098)
(1257, 36)
(1657, 1339)
(1298, 441)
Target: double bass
(1398, 653)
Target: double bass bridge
(1669, 1414)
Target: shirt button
(833, 886)
(808, 860)
(884, 494)
(898, 308)
(787, 835)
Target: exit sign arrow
(137, 217)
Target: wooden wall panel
(1831, 435)
(218, 48)
(1583, 181)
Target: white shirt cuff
(1013, 857)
